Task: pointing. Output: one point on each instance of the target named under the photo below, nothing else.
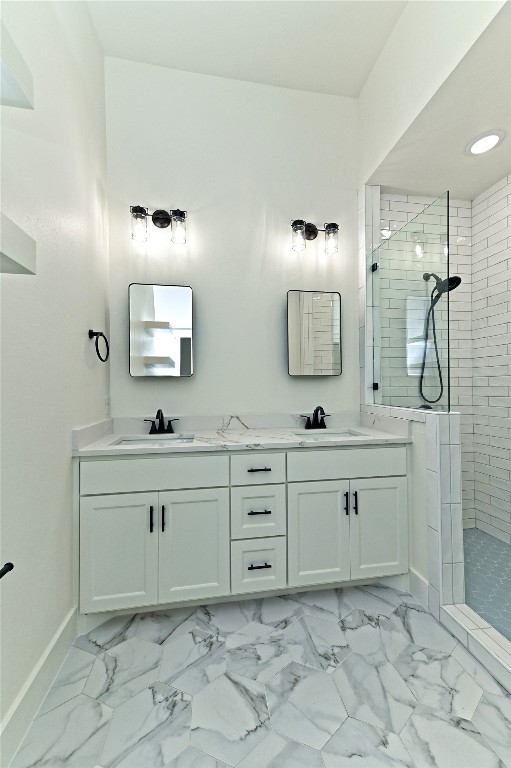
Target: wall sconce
(302, 231)
(161, 219)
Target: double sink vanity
(170, 518)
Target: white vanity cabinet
(194, 557)
(118, 551)
(157, 530)
(350, 528)
(157, 546)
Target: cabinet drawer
(258, 564)
(259, 511)
(153, 474)
(258, 468)
(346, 463)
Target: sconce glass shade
(178, 227)
(298, 236)
(331, 238)
(138, 223)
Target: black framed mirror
(314, 333)
(161, 330)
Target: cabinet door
(194, 559)
(318, 533)
(379, 532)
(118, 551)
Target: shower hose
(431, 314)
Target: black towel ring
(97, 334)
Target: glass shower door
(411, 312)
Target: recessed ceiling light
(485, 142)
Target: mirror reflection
(160, 330)
(314, 333)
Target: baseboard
(419, 588)
(31, 696)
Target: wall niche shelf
(153, 360)
(154, 326)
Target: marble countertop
(115, 444)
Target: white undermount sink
(317, 435)
(154, 441)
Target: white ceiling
(430, 157)
(331, 46)
(327, 46)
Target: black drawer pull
(262, 512)
(162, 518)
(151, 519)
(347, 502)
(262, 469)
(356, 502)
(258, 567)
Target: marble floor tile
(360, 745)
(424, 630)
(378, 637)
(493, 719)
(317, 643)
(70, 679)
(225, 618)
(304, 705)
(435, 740)
(149, 730)
(257, 652)
(375, 603)
(269, 683)
(438, 681)
(274, 751)
(191, 660)
(229, 718)
(374, 693)
(123, 671)
(161, 626)
(476, 670)
(192, 758)
(279, 612)
(72, 734)
(111, 633)
(323, 604)
(390, 596)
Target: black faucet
(160, 421)
(158, 425)
(318, 422)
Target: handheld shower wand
(441, 287)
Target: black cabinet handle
(258, 567)
(347, 502)
(162, 518)
(262, 469)
(151, 519)
(356, 502)
(262, 512)
(5, 569)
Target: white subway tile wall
(396, 211)
(491, 334)
(480, 358)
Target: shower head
(443, 286)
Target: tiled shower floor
(488, 578)
(354, 678)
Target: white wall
(428, 41)
(244, 160)
(53, 186)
